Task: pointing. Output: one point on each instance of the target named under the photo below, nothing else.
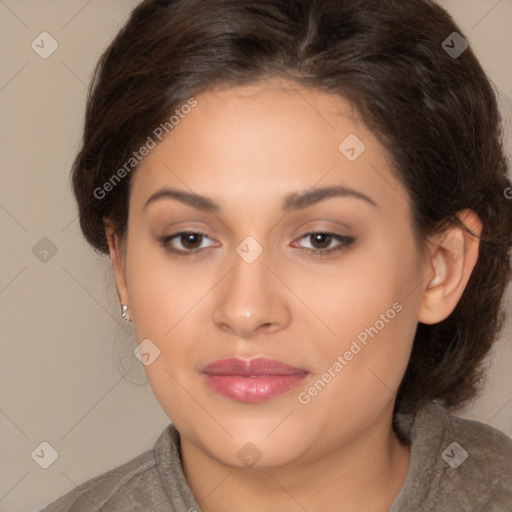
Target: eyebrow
(291, 202)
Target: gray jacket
(456, 465)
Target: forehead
(263, 140)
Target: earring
(124, 314)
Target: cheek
(161, 293)
(382, 349)
(371, 347)
(371, 310)
(360, 370)
(362, 295)
(165, 301)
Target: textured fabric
(481, 483)
(456, 465)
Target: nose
(251, 300)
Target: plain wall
(64, 348)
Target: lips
(252, 380)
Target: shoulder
(123, 488)
(489, 447)
(456, 464)
(486, 448)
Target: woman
(305, 207)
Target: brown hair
(435, 113)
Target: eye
(324, 243)
(185, 242)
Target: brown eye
(185, 242)
(323, 243)
(191, 240)
(320, 240)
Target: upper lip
(256, 367)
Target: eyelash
(345, 243)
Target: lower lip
(253, 389)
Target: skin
(246, 148)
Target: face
(297, 264)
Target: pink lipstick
(252, 380)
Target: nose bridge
(250, 298)
(248, 276)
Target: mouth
(252, 380)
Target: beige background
(64, 348)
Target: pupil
(190, 240)
(321, 239)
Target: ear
(453, 255)
(117, 260)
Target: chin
(256, 443)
